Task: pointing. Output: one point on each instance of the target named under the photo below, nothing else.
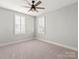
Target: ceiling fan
(34, 6)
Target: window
(19, 24)
(41, 24)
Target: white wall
(7, 26)
(61, 26)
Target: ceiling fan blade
(30, 10)
(38, 3)
(36, 10)
(40, 7)
(28, 2)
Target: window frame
(19, 24)
(44, 25)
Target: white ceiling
(50, 5)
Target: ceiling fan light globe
(33, 1)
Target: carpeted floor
(36, 49)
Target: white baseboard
(15, 42)
(58, 44)
(28, 39)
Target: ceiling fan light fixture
(33, 1)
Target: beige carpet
(36, 49)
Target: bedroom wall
(7, 27)
(61, 26)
